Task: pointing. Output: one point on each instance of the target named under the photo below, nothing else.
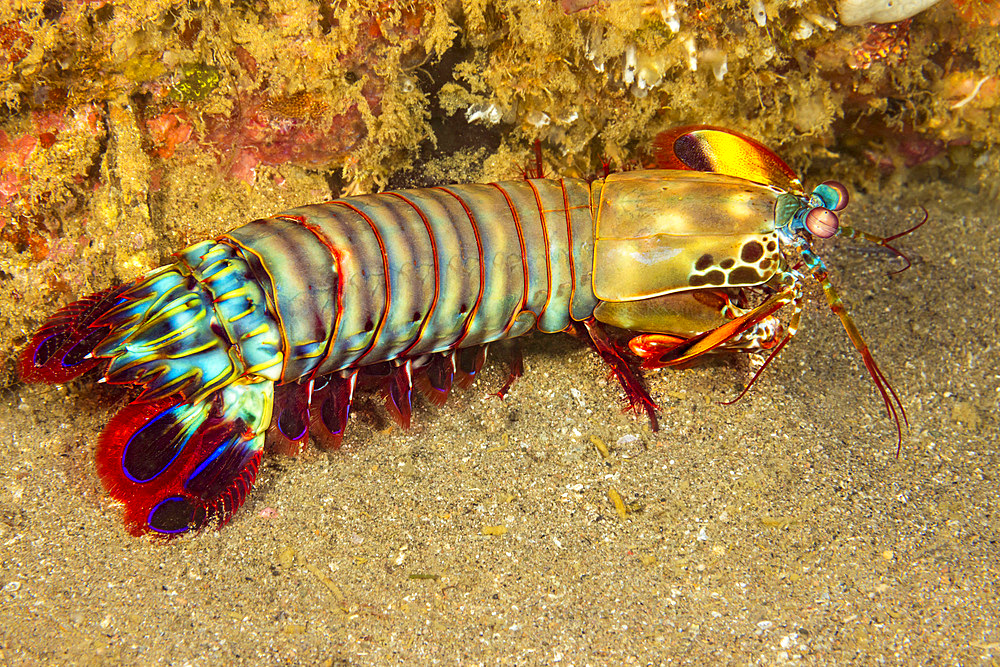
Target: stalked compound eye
(822, 222)
(834, 195)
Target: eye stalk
(795, 214)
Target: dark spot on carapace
(704, 262)
(416, 316)
(710, 278)
(766, 264)
(771, 246)
(464, 308)
(369, 325)
(744, 275)
(752, 251)
(727, 263)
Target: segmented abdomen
(341, 285)
(409, 272)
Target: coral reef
(860, 12)
(128, 128)
(598, 79)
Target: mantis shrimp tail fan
(178, 465)
(185, 452)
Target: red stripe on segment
(385, 272)
(317, 231)
(437, 273)
(569, 246)
(286, 348)
(524, 259)
(482, 268)
(548, 257)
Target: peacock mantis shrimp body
(271, 327)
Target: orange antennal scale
(718, 151)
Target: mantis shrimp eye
(822, 222)
(834, 195)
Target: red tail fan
(58, 352)
(178, 466)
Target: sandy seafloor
(782, 529)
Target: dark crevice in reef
(453, 132)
